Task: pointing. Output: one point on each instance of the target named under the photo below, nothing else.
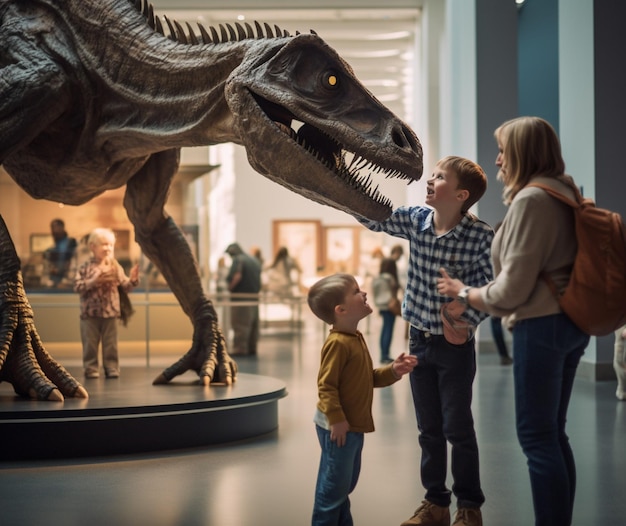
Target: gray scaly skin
(96, 94)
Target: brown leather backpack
(595, 297)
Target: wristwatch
(463, 296)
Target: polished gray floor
(270, 480)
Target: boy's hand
(448, 286)
(338, 432)
(404, 364)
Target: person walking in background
(397, 253)
(385, 288)
(346, 381)
(244, 282)
(537, 236)
(283, 275)
(58, 258)
(97, 282)
(371, 268)
(444, 234)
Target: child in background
(346, 382)
(97, 282)
(385, 287)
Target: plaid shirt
(464, 251)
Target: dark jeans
(386, 333)
(547, 352)
(441, 384)
(498, 336)
(337, 476)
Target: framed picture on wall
(341, 249)
(303, 241)
(40, 242)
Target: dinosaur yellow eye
(331, 80)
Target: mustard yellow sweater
(346, 381)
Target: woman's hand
(448, 286)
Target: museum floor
(270, 480)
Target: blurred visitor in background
(283, 275)
(244, 283)
(59, 259)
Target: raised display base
(130, 415)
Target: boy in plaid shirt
(444, 234)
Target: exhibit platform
(130, 415)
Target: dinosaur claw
(56, 396)
(81, 392)
(160, 380)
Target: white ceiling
(379, 44)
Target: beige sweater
(536, 235)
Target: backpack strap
(558, 195)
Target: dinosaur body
(94, 96)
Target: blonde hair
(97, 235)
(529, 147)
(470, 175)
(327, 293)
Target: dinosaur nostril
(404, 137)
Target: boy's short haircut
(470, 175)
(327, 293)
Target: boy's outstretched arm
(404, 364)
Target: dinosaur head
(308, 124)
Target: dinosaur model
(97, 94)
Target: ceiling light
(397, 35)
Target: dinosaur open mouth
(345, 165)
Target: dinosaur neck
(145, 79)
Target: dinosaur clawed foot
(207, 357)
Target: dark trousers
(547, 352)
(441, 384)
(245, 323)
(386, 333)
(498, 336)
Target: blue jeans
(386, 333)
(547, 352)
(337, 476)
(441, 384)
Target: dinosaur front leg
(164, 244)
(24, 362)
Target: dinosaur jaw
(314, 164)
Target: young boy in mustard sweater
(346, 382)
